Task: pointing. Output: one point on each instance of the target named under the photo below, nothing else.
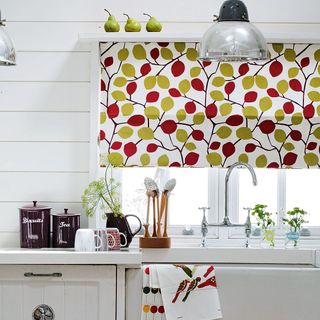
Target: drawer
(72, 292)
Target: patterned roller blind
(160, 106)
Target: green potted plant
(294, 220)
(265, 222)
(104, 194)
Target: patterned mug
(116, 234)
(108, 241)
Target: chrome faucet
(226, 220)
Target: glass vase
(267, 237)
(292, 239)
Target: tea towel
(185, 292)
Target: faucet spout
(226, 220)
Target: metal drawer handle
(53, 275)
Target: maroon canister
(35, 226)
(65, 226)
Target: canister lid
(66, 214)
(35, 207)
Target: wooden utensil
(161, 210)
(154, 233)
(158, 216)
(153, 191)
(169, 186)
(156, 240)
(165, 234)
(146, 225)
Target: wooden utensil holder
(155, 242)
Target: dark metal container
(35, 226)
(65, 226)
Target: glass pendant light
(7, 52)
(233, 37)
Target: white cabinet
(73, 292)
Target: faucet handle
(248, 227)
(248, 221)
(204, 210)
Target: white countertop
(43, 256)
(135, 257)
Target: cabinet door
(133, 294)
(79, 293)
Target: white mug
(85, 241)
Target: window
(303, 191)
(265, 192)
(134, 200)
(191, 192)
(281, 190)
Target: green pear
(132, 25)
(153, 25)
(111, 25)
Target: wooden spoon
(146, 225)
(148, 185)
(153, 190)
(165, 234)
(169, 186)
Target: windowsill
(179, 241)
(186, 249)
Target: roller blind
(160, 106)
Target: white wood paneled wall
(45, 99)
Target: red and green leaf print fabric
(160, 106)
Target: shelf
(139, 37)
(288, 37)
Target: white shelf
(288, 37)
(139, 37)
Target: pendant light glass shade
(7, 51)
(233, 37)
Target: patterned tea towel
(186, 292)
(152, 305)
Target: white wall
(45, 99)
